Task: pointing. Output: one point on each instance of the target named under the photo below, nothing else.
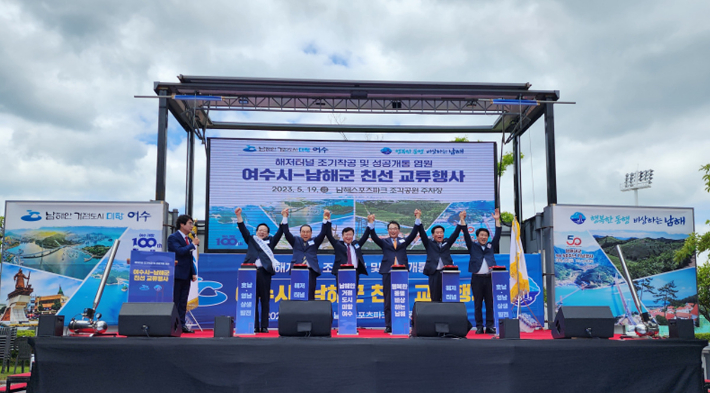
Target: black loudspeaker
(305, 318)
(681, 328)
(223, 326)
(149, 319)
(50, 325)
(583, 322)
(508, 328)
(435, 319)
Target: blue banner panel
(347, 308)
(299, 284)
(500, 279)
(400, 302)
(450, 282)
(218, 287)
(152, 276)
(246, 293)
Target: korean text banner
(218, 288)
(54, 254)
(588, 268)
(352, 179)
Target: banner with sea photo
(62, 249)
(588, 268)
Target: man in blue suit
(260, 249)
(438, 254)
(481, 259)
(348, 251)
(394, 249)
(305, 248)
(180, 243)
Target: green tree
(505, 162)
(666, 294)
(57, 305)
(699, 243)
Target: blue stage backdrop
(218, 287)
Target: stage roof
(514, 106)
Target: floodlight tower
(637, 180)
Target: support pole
(550, 154)
(190, 175)
(517, 200)
(161, 167)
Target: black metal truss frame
(194, 98)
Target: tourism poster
(588, 268)
(54, 254)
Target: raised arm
(284, 228)
(423, 236)
(364, 237)
(373, 234)
(242, 228)
(415, 230)
(454, 236)
(324, 230)
(275, 239)
(464, 228)
(496, 236)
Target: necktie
(187, 240)
(350, 258)
(394, 243)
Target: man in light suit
(481, 253)
(349, 252)
(305, 248)
(438, 254)
(180, 243)
(260, 253)
(394, 249)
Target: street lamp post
(637, 180)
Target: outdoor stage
(368, 363)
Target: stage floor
(199, 363)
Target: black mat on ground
(141, 364)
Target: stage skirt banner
(352, 180)
(152, 276)
(54, 254)
(588, 268)
(218, 288)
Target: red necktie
(187, 240)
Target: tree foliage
(699, 243)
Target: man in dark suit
(305, 248)
(481, 253)
(260, 253)
(180, 243)
(349, 252)
(438, 254)
(394, 249)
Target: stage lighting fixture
(396, 104)
(243, 101)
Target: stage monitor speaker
(50, 325)
(508, 328)
(223, 326)
(305, 318)
(583, 322)
(149, 319)
(435, 319)
(681, 328)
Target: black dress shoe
(490, 330)
(264, 330)
(186, 329)
(257, 330)
(479, 330)
(388, 329)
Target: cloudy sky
(70, 128)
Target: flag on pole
(519, 281)
(193, 297)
